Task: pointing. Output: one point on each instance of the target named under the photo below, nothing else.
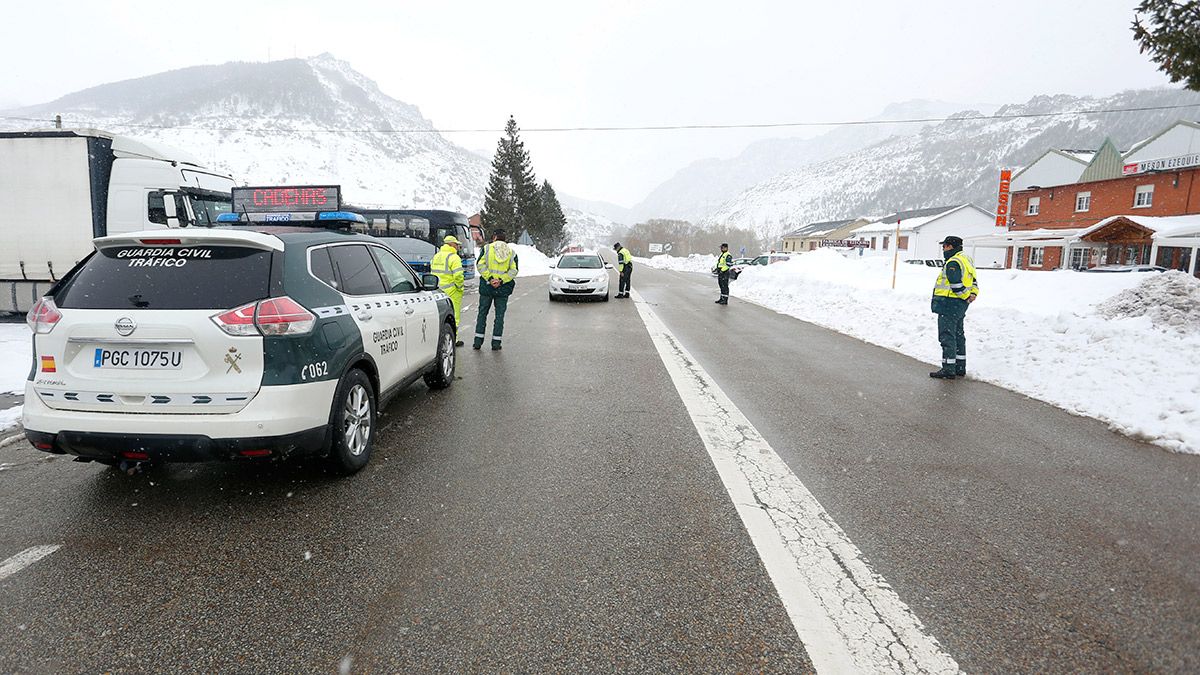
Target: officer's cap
(450, 239)
(956, 242)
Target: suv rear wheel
(442, 375)
(353, 418)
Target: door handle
(410, 310)
(365, 315)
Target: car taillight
(274, 316)
(237, 321)
(43, 316)
(283, 316)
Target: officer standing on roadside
(724, 262)
(624, 269)
(448, 267)
(497, 269)
(955, 290)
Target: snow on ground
(1037, 333)
(15, 341)
(695, 262)
(530, 261)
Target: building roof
(1083, 157)
(1004, 239)
(1162, 226)
(910, 220)
(1105, 165)
(1141, 144)
(818, 229)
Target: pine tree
(1172, 37)
(511, 201)
(553, 224)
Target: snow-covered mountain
(268, 123)
(698, 189)
(950, 162)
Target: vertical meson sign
(287, 199)
(1002, 202)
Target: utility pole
(895, 253)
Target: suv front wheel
(442, 375)
(353, 419)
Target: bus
(416, 234)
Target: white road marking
(848, 617)
(25, 558)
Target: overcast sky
(619, 62)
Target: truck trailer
(60, 188)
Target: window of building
(885, 243)
(1079, 258)
(1083, 201)
(1143, 196)
(1036, 256)
(1020, 258)
(873, 239)
(902, 243)
(1035, 205)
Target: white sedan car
(583, 275)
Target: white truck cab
(60, 188)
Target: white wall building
(922, 230)
(1177, 140)
(1054, 167)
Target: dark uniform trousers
(623, 280)
(951, 312)
(723, 283)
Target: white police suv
(241, 342)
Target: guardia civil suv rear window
(168, 277)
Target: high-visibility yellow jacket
(624, 257)
(957, 279)
(448, 267)
(724, 261)
(497, 261)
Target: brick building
(1119, 210)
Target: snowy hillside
(951, 162)
(701, 187)
(266, 123)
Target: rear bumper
(290, 419)
(178, 448)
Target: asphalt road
(576, 524)
(556, 510)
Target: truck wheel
(353, 418)
(442, 375)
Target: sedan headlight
(557, 279)
(602, 279)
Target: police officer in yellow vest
(624, 270)
(955, 290)
(724, 264)
(449, 270)
(497, 270)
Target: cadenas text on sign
(845, 243)
(1002, 202)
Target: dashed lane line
(849, 618)
(25, 558)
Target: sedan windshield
(587, 262)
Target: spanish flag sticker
(48, 364)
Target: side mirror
(430, 282)
(608, 266)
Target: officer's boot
(960, 367)
(946, 373)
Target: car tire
(553, 297)
(442, 375)
(353, 422)
(605, 298)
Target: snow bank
(531, 262)
(15, 352)
(1169, 300)
(1038, 333)
(695, 262)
